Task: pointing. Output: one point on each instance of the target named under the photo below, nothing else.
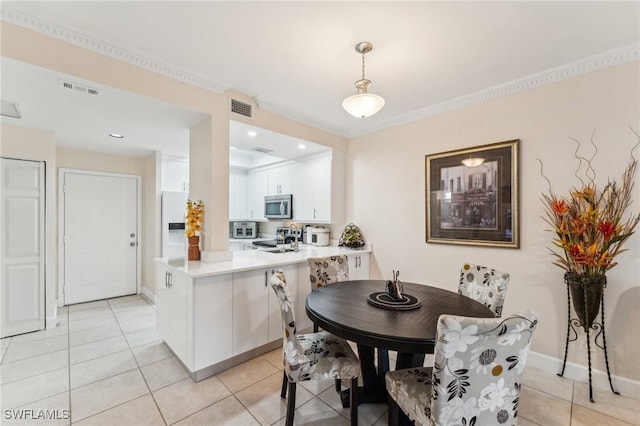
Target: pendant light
(363, 104)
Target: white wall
(386, 198)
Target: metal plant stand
(597, 327)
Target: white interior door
(22, 255)
(100, 235)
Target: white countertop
(254, 259)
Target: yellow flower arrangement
(589, 224)
(195, 218)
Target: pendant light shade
(363, 104)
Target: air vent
(241, 108)
(9, 109)
(78, 87)
(261, 149)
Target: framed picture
(472, 196)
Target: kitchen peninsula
(216, 315)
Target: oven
(244, 230)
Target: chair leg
(394, 412)
(315, 328)
(291, 404)
(285, 383)
(353, 393)
(338, 385)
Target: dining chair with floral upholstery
(312, 356)
(476, 377)
(486, 285)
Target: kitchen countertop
(247, 260)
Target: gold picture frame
(474, 204)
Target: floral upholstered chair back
(327, 270)
(478, 367)
(279, 285)
(485, 285)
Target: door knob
(132, 235)
(132, 244)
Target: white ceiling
(297, 58)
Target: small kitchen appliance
(320, 236)
(244, 230)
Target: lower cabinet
(358, 266)
(193, 316)
(256, 310)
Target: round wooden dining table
(343, 309)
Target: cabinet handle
(265, 277)
(166, 279)
(170, 279)
(314, 213)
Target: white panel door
(100, 236)
(22, 255)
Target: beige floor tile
(88, 351)
(141, 411)
(526, 422)
(247, 373)
(105, 394)
(100, 320)
(263, 399)
(4, 342)
(127, 302)
(17, 352)
(618, 406)
(89, 313)
(143, 337)
(3, 350)
(40, 335)
(543, 408)
(163, 373)
(582, 416)
(384, 421)
(139, 323)
(548, 382)
(94, 334)
(317, 413)
(134, 313)
(51, 411)
(28, 367)
(367, 413)
(100, 368)
(275, 358)
(87, 305)
(228, 412)
(184, 398)
(316, 387)
(34, 388)
(152, 352)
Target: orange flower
(560, 207)
(606, 229)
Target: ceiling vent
(78, 87)
(9, 109)
(261, 149)
(241, 108)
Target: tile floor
(106, 365)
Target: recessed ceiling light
(116, 135)
(302, 146)
(252, 133)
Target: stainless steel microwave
(278, 206)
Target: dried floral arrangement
(195, 218)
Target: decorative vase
(586, 295)
(193, 252)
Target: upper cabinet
(318, 189)
(280, 180)
(175, 175)
(238, 208)
(257, 188)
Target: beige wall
(543, 119)
(38, 145)
(98, 162)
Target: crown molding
(16, 17)
(543, 78)
(553, 75)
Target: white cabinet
(238, 182)
(257, 182)
(256, 311)
(194, 316)
(171, 304)
(280, 180)
(318, 190)
(175, 175)
(358, 266)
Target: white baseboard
(580, 373)
(149, 295)
(51, 322)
